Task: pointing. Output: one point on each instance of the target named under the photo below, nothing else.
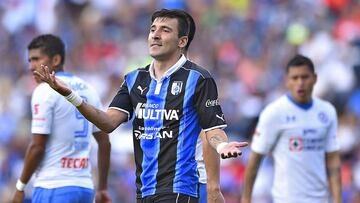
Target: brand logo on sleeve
(176, 87)
(210, 103)
(221, 117)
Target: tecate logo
(210, 103)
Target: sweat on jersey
(169, 114)
(298, 138)
(66, 160)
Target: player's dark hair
(50, 45)
(300, 60)
(186, 24)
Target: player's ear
(56, 60)
(183, 41)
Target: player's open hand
(18, 197)
(232, 149)
(102, 196)
(53, 82)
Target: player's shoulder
(191, 66)
(276, 106)
(324, 105)
(144, 69)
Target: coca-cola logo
(210, 103)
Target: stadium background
(244, 43)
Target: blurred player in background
(299, 130)
(208, 160)
(172, 99)
(61, 136)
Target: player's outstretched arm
(106, 121)
(217, 138)
(34, 154)
(250, 176)
(212, 167)
(334, 175)
(104, 149)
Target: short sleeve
(331, 139)
(122, 101)
(208, 106)
(42, 107)
(267, 131)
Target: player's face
(300, 82)
(163, 40)
(37, 58)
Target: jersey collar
(170, 71)
(305, 106)
(63, 74)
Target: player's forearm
(216, 137)
(250, 176)
(33, 158)
(334, 175)
(212, 166)
(97, 117)
(103, 162)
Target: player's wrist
(20, 185)
(74, 98)
(221, 146)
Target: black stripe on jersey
(167, 163)
(143, 80)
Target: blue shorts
(203, 193)
(69, 194)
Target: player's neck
(161, 66)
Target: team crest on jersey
(296, 144)
(176, 87)
(323, 117)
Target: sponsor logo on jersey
(70, 162)
(160, 134)
(176, 87)
(76, 86)
(211, 103)
(323, 117)
(152, 112)
(296, 144)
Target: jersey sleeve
(208, 106)
(122, 101)
(42, 110)
(267, 131)
(331, 139)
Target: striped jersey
(66, 160)
(168, 116)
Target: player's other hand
(18, 197)
(102, 196)
(53, 82)
(232, 150)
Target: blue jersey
(169, 114)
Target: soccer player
(60, 147)
(172, 99)
(299, 130)
(208, 160)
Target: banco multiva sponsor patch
(154, 112)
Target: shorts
(203, 193)
(168, 198)
(68, 194)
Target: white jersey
(298, 139)
(66, 160)
(200, 161)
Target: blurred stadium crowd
(244, 43)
